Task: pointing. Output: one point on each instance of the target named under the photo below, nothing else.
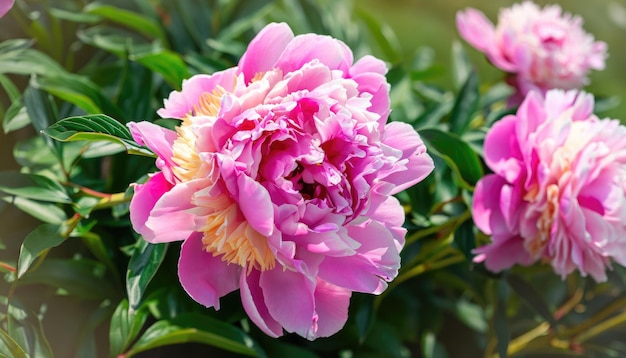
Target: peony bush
(280, 178)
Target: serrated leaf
(32, 186)
(457, 154)
(126, 324)
(43, 238)
(97, 127)
(530, 295)
(465, 105)
(190, 327)
(142, 266)
(133, 20)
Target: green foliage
(75, 73)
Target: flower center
(226, 233)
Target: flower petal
(264, 50)
(289, 299)
(145, 197)
(205, 277)
(331, 306)
(254, 304)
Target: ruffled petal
(145, 197)
(331, 306)
(254, 304)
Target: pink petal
(181, 103)
(503, 254)
(5, 6)
(160, 140)
(377, 261)
(254, 304)
(171, 218)
(486, 209)
(289, 299)
(306, 48)
(205, 277)
(502, 152)
(331, 306)
(256, 205)
(264, 50)
(146, 195)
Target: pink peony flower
(5, 6)
(541, 48)
(558, 192)
(279, 181)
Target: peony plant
(279, 182)
(541, 48)
(221, 178)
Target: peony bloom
(541, 48)
(558, 191)
(5, 6)
(279, 180)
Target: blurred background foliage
(79, 283)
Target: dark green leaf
(46, 212)
(43, 238)
(95, 128)
(125, 326)
(27, 330)
(135, 21)
(32, 186)
(142, 266)
(40, 108)
(464, 238)
(83, 278)
(500, 324)
(168, 64)
(196, 328)
(530, 295)
(465, 105)
(457, 154)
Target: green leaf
(464, 238)
(70, 90)
(15, 118)
(465, 105)
(9, 347)
(168, 64)
(471, 314)
(12, 91)
(74, 16)
(29, 62)
(132, 20)
(142, 266)
(46, 212)
(82, 278)
(32, 186)
(531, 296)
(461, 66)
(457, 154)
(95, 128)
(43, 238)
(431, 348)
(500, 324)
(383, 35)
(192, 327)
(40, 108)
(126, 324)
